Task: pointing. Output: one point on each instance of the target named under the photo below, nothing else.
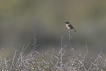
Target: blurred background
(20, 19)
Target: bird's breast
(67, 26)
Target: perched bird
(69, 26)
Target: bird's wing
(72, 27)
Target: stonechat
(69, 26)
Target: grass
(36, 61)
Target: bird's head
(66, 22)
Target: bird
(69, 26)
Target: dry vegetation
(35, 61)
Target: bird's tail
(75, 30)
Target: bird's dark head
(66, 22)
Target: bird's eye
(67, 22)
